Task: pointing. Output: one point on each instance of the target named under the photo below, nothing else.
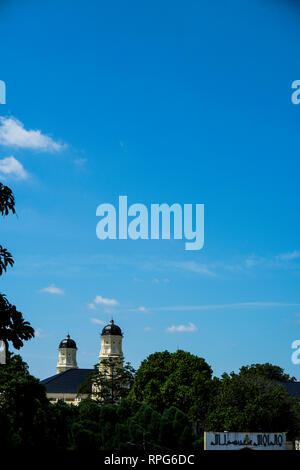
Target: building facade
(68, 378)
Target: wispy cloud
(103, 301)
(97, 321)
(148, 328)
(38, 333)
(178, 308)
(192, 266)
(92, 306)
(12, 168)
(283, 260)
(142, 309)
(157, 281)
(14, 134)
(254, 260)
(289, 256)
(53, 290)
(80, 162)
(190, 328)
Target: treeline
(172, 400)
(29, 421)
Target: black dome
(112, 329)
(68, 343)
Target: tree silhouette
(13, 327)
(7, 200)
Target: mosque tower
(66, 355)
(111, 344)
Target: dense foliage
(111, 383)
(28, 420)
(244, 401)
(13, 327)
(254, 400)
(178, 379)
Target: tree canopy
(7, 200)
(253, 400)
(267, 370)
(109, 384)
(13, 327)
(29, 421)
(177, 379)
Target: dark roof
(67, 343)
(112, 329)
(293, 388)
(66, 382)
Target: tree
(110, 383)
(6, 259)
(177, 379)
(7, 204)
(252, 401)
(267, 370)
(13, 327)
(23, 407)
(7, 200)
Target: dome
(67, 343)
(112, 329)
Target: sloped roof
(66, 382)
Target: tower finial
(111, 321)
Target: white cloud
(157, 281)
(10, 167)
(101, 300)
(92, 306)
(148, 328)
(97, 321)
(254, 261)
(80, 162)
(180, 308)
(38, 333)
(13, 134)
(192, 267)
(53, 290)
(182, 328)
(278, 261)
(289, 256)
(142, 309)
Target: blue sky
(162, 102)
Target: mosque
(64, 384)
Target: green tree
(251, 401)
(267, 370)
(61, 417)
(13, 327)
(110, 383)
(177, 379)
(7, 204)
(23, 407)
